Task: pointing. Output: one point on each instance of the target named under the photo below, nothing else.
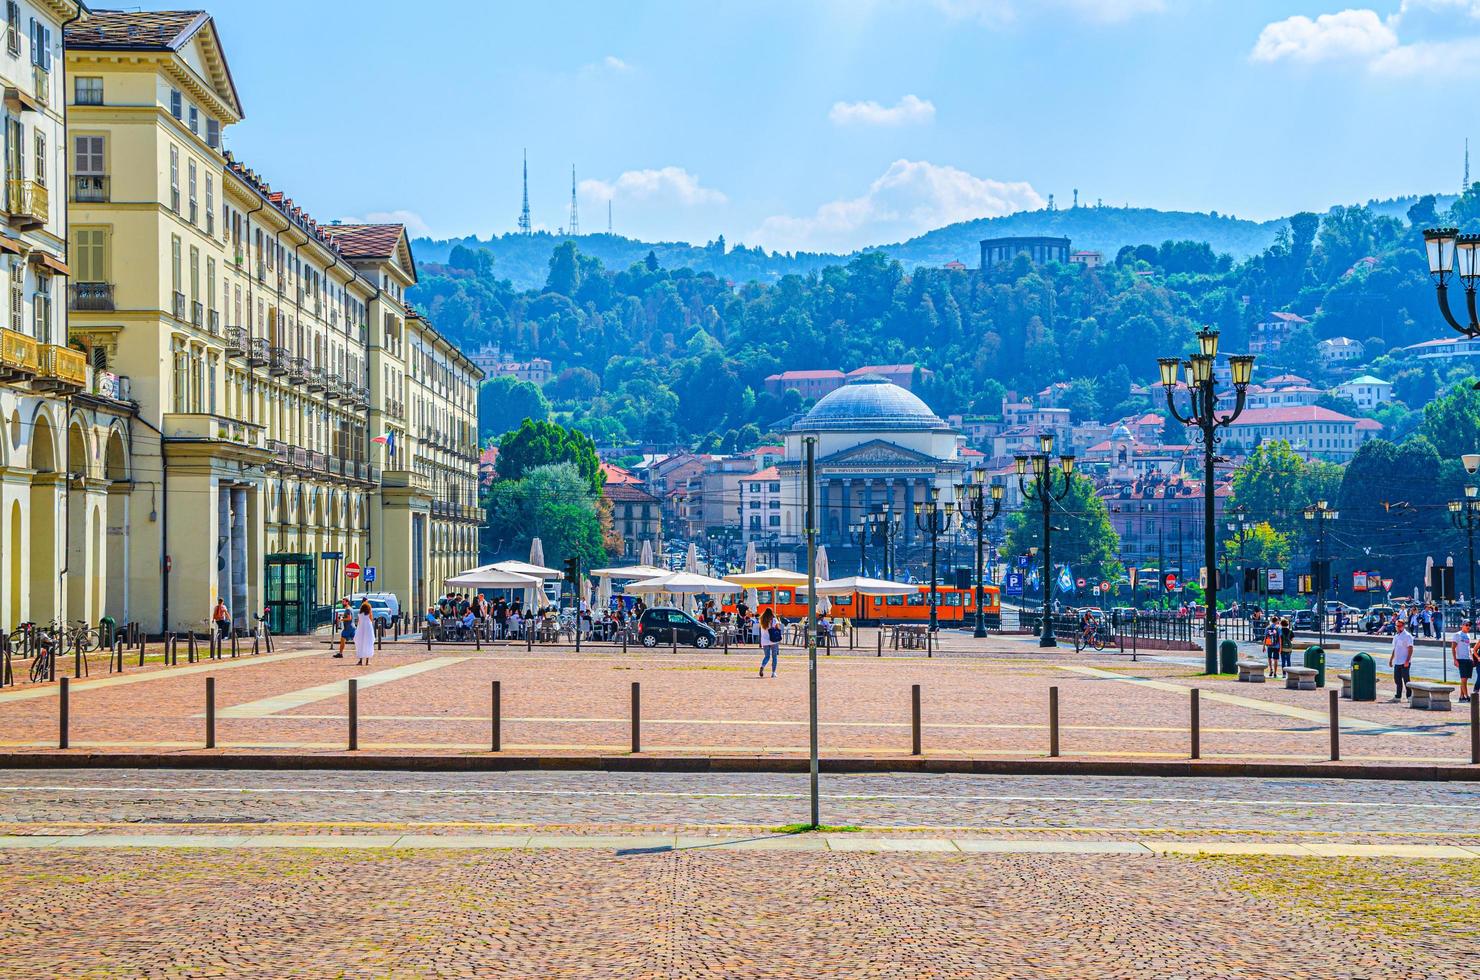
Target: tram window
(763, 595)
(783, 597)
(896, 600)
(953, 598)
(917, 599)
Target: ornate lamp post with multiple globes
(885, 525)
(1447, 248)
(974, 505)
(935, 518)
(1203, 413)
(1042, 488)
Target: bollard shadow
(727, 842)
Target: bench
(1346, 685)
(1430, 697)
(1252, 671)
(1300, 678)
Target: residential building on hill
(1366, 391)
(1312, 431)
(1270, 335)
(1341, 350)
(637, 516)
(494, 364)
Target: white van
(384, 606)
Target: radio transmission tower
(575, 220)
(525, 228)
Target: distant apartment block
(1039, 249)
(1311, 431)
(495, 364)
(1270, 336)
(1341, 350)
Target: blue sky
(831, 124)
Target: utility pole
(811, 444)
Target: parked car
(664, 625)
(1121, 615)
(384, 607)
(1304, 619)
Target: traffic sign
(1079, 582)
(1387, 585)
(331, 555)
(1104, 586)
(369, 574)
(352, 570)
(1171, 582)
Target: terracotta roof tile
(145, 30)
(630, 492)
(366, 241)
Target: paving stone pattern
(586, 913)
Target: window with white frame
(177, 103)
(41, 308)
(88, 90)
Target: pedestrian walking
(1426, 618)
(1462, 646)
(364, 636)
(344, 618)
(771, 633)
(221, 618)
(1287, 642)
(1439, 620)
(1401, 660)
(1273, 640)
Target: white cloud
(673, 185)
(910, 198)
(1348, 34)
(615, 64)
(910, 109)
(416, 227)
(610, 65)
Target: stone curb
(368, 761)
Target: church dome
(870, 403)
(1121, 434)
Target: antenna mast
(525, 228)
(575, 221)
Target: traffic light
(573, 572)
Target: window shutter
(46, 48)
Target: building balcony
(177, 305)
(91, 189)
(362, 396)
(298, 369)
(205, 427)
(19, 356)
(28, 203)
(257, 351)
(318, 462)
(317, 380)
(331, 387)
(236, 341)
(60, 369)
(90, 297)
(408, 479)
(277, 360)
(299, 459)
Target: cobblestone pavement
(983, 699)
(1352, 811)
(698, 913)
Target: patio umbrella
(863, 586)
(646, 557)
(691, 560)
(749, 557)
(685, 583)
(536, 552)
(488, 577)
(769, 578)
(822, 565)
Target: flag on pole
(388, 441)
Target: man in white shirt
(1462, 645)
(1401, 659)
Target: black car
(664, 626)
(1303, 619)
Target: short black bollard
(724, 639)
(914, 719)
(379, 635)
(477, 638)
(235, 648)
(190, 652)
(210, 712)
(636, 717)
(427, 632)
(1053, 722)
(354, 714)
(673, 638)
(528, 638)
(879, 642)
(498, 718)
(142, 644)
(929, 643)
(63, 714)
(624, 641)
(1196, 724)
(1336, 725)
(1475, 728)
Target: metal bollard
(190, 651)
(379, 636)
(477, 638)
(914, 719)
(142, 644)
(1053, 722)
(528, 638)
(879, 644)
(1475, 728)
(673, 638)
(636, 717)
(929, 642)
(210, 712)
(63, 714)
(235, 648)
(354, 714)
(1336, 726)
(624, 641)
(1196, 724)
(497, 736)
(725, 641)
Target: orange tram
(956, 606)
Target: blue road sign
(369, 574)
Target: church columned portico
(876, 444)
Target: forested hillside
(647, 353)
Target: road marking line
(204, 667)
(322, 692)
(1268, 707)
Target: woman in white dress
(364, 636)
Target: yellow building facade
(65, 437)
(266, 354)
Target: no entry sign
(352, 570)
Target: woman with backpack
(771, 634)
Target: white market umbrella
(822, 564)
(527, 568)
(623, 573)
(767, 579)
(489, 577)
(646, 558)
(691, 560)
(863, 586)
(685, 583)
(536, 552)
(749, 557)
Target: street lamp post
(1465, 516)
(1321, 512)
(1239, 527)
(862, 528)
(1447, 248)
(974, 506)
(886, 527)
(1041, 489)
(934, 518)
(1203, 413)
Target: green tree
(554, 503)
(505, 402)
(1263, 547)
(1452, 423)
(536, 444)
(1271, 486)
(1087, 542)
(565, 270)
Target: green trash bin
(1316, 657)
(1364, 678)
(1228, 657)
(107, 626)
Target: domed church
(877, 443)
